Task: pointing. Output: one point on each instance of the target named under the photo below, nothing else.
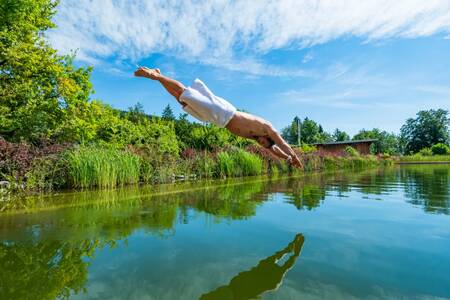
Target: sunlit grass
(101, 167)
(421, 158)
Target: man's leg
(175, 88)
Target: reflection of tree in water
(428, 187)
(53, 265)
(229, 201)
(44, 269)
(266, 276)
(375, 182)
(37, 262)
(306, 196)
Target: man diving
(202, 104)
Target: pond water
(378, 234)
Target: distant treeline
(428, 133)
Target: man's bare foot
(148, 73)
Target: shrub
(47, 173)
(307, 148)
(440, 149)
(425, 152)
(17, 160)
(203, 165)
(350, 151)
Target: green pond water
(376, 234)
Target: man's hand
(148, 73)
(295, 161)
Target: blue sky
(346, 64)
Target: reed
(225, 165)
(101, 167)
(246, 163)
(420, 158)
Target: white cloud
(212, 32)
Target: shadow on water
(46, 255)
(266, 276)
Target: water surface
(377, 234)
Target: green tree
(310, 131)
(339, 136)
(428, 128)
(41, 92)
(387, 142)
(290, 133)
(136, 113)
(167, 113)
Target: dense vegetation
(430, 129)
(54, 135)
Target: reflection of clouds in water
(191, 283)
(313, 290)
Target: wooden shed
(363, 146)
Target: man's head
(265, 141)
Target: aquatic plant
(101, 167)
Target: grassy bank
(80, 167)
(424, 159)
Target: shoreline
(31, 202)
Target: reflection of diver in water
(266, 276)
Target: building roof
(348, 142)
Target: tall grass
(420, 158)
(101, 167)
(247, 164)
(239, 163)
(225, 165)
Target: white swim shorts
(203, 105)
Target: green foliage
(238, 163)
(204, 165)
(420, 158)
(428, 128)
(167, 114)
(209, 137)
(290, 133)
(440, 149)
(340, 136)
(101, 167)
(305, 148)
(47, 173)
(387, 142)
(247, 164)
(425, 152)
(40, 91)
(310, 131)
(350, 151)
(225, 164)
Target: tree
(310, 131)
(428, 128)
(313, 132)
(41, 92)
(136, 113)
(387, 142)
(167, 114)
(339, 136)
(290, 133)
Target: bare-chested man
(202, 104)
